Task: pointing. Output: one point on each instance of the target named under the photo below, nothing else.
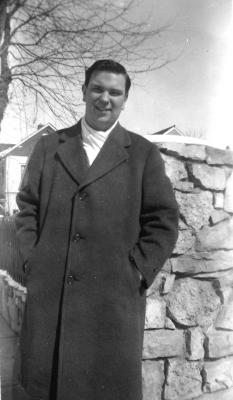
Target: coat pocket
(28, 263)
(137, 273)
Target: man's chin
(103, 124)
(100, 122)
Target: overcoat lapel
(110, 156)
(72, 154)
(73, 157)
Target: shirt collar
(99, 135)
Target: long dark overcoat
(85, 234)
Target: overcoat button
(76, 237)
(83, 196)
(70, 279)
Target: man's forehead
(108, 77)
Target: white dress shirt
(93, 140)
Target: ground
(8, 347)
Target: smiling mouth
(102, 109)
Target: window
(23, 166)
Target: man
(97, 220)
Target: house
(12, 164)
(5, 146)
(171, 130)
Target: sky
(194, 92)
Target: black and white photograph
(116, 200)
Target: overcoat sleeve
(158, 219)
(28, 200)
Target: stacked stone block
(188, 344)
(12, 301)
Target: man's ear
(84, 89)
(123, 105)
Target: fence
(9, 252)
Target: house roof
(163, 131)
(171, 130)
(25, 146)
(5, 146)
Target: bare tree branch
(46, 44)
(197, 133)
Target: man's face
(105, 97)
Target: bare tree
(197, 133)
(46, 44)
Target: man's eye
(97, 89)
(115, 93)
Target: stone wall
(188, 344)
(12, 301)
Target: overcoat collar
(73, 156)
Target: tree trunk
(5, 72)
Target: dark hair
(110, 66)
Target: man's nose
(104, 98)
